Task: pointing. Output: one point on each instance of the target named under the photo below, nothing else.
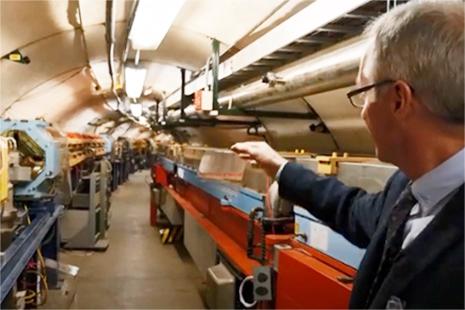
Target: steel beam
(279, 55)
(269, 114)
(183, 95)
(215, 64)
(189, 122)
(340, 29)
(315, 40)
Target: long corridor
(136, 271)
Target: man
(411, 91)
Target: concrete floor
(136, 271)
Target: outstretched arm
(348, 210)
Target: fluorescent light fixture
(134, 79)
(136, 109)
(152, 21)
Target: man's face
(377, 113)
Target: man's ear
(403, 99)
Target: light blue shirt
(433, 190)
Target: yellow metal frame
(3, 170)
(328, 165)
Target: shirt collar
(436, 184)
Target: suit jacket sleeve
(350, 211)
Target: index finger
(241, 147)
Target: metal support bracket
(268, 114)
(328, 165)
(215, 64)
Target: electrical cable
(241, 296)
(43, 276)
(43, 280)
(20, 215)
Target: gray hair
(422, 42)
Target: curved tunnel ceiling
(49, 33)
(65, 41)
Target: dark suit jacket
(429, 272)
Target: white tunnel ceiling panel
(96, 44)
(93, 108)
(288, 9)
(49, 59)
(24, 22)
(226, 20)
(93, 11)
(343, 121)
(182, 48)
(298, 105)
(163, 77)
(291, 134)
(100, 72)
(60, 101)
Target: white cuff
(278, 174)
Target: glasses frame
(366, 88)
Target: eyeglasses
(357, 96)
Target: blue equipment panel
(53, 147)
(229, 194)
(167, 164)
(322, 238)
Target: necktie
(394, 238)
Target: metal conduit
(308, 83)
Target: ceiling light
(136, 109)
(134, 79)
(152, 21)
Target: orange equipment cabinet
(305, 282)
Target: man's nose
(363, 113)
